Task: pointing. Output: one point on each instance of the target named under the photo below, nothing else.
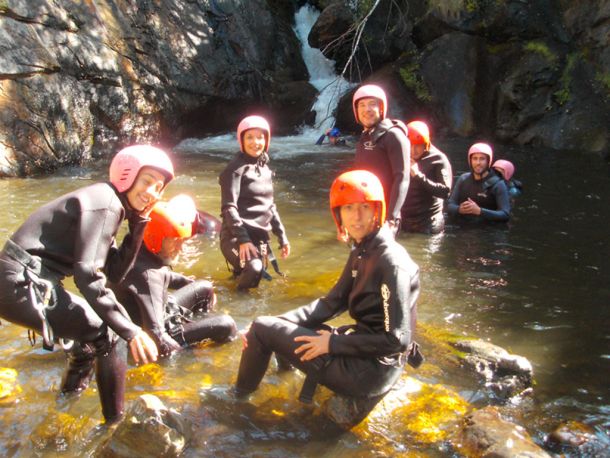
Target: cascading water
(321, 72)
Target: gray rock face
(79, 80)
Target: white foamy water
(322, 76)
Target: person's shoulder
(97, 196)
(234, 165)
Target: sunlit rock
(58, 431)
(9, 388)
(575, 439)
(486, 434)
(505, 374)
(148, 429)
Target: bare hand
(143, 348)
(247, 251)
(314, 346)
(244, 337)
(469, 207)
(285, 251)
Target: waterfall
(321, 73)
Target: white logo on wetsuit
(369, 145)
(482, 194)
(385, 294)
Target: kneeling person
(379, 287)
(144, 292)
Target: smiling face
(479, 163)
(369, 111)
(146, 189)
(359, 219)
(254, 141)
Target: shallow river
(539, 287)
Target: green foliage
(3, 6)
(562, 95)
(363, 7)
(541, 48)
(411, 79)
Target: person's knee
(228, 328)
(251, 275)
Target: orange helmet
(170, 219)
(353, 187)
(418, 133)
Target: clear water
(538, 287)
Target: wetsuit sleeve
(230, 186)
(277, 227)
(94, 237)
(399, 154)
(453, 204)
(503, 204)
(398, 291)
(120, 260)
(440, 184)
(149, 296)
(327, 307)
(177, 280)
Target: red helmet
(506, 168)
(128, 162)
(253, 122)
(482, 148)
(370, 90)
(170, 219)
(418, 133)
(353, 187)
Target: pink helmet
(506, 168)
(128, 162)
(253, 122)
(482, 148)
(370, 90)
(418, 133)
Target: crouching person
(169, 318)
(379, 287)
(74, 236)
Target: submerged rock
(486, 434)
(505, 374)
(576, 439)
(148, 429)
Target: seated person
(480, 195)
(334, 137)
(506, 169)
(144, 292)
(379, 287)
(430, 184)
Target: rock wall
(80, 79)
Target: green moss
(411, 79)
(3, 6)
(562, 95)
(541, 48)
(603, 79)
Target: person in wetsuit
(74, 235)
(378, 287)
(247, 206)
(145, 290)
(479, 195)
(383, 148)
(506, 170)
(430, 184)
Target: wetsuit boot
(110, 372)
(76, 378)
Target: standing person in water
(506, 170)
(383, 148)
(379, 287)
(74, 235)
(168, 318)
(480, 195)
(430, 184)
(247, 207)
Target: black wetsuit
(74, 235)
(248, 213)
(145, 295)
(423, 207)
(489, 193)
(379, 287)
(385, 151)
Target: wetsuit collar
(259, 161)
(129, 210)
